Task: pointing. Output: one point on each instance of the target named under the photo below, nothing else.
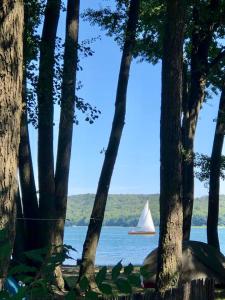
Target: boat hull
(141, 232)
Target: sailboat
(145, 224)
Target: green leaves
(84, 284)
(71, 295)
(116, 270)
(91, 295)
(36, 255)
(123, 286)
(128, 269)
(106, 288)
(144, 271)
(22, 268)
(134, 280)
(101, 276)
(5, 249)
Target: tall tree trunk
(201, 41)
(45, 122)
(171, 214)
(97, 216)
(214, 180)
(66, 125)
(27, 182)
(66, 117)
(19, 244)
(11, 53)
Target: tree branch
(216, 60)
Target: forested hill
(124, 210)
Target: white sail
(145, 222)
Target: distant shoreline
(193, 226)
(125, 209)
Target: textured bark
(11, 59)
(66, 117)
(27, 182)
(201, 41)
(171, 216)
(97, 216)
(214, 180)
(45, 122)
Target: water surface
(115, 244)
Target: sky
(138, 162)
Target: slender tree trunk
(45, 122)
(97, 216)
(214, 180)
(19, 244)
(11, 53)
(66, 117)
(201, 41)
(27, 182)
(66, 125)
(171, 214)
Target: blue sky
(137, 165)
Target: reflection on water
(115, 244)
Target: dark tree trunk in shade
(11, 53)
(201, 41)
(19, 244)
(66, 117)
(45, 122)
(214, 179)
(97, 216)
(171, 214)
(27, 182)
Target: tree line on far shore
(125, 209)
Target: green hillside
(124, 210)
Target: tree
(32, 18)
(97, 215)
(66, 117)
(214, 175)
(45, 122)
(171, 213)
(205, 18)
(66, 123)
(11, 52)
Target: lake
(115, 244)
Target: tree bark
(66, 117)
(97, 216)
(214, 179)
(201, 40)
(45, 123)
(171, 214)
(27, 182)
(11, 54)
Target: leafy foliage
(202, 164)
(37, 282)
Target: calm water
(115, 244)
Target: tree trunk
(11, 53)
(27, 182)
(171, 214)
(19, 244)
(97, 216)
(214, 179)
(201, 41)
(45, 123)
(66, 117)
